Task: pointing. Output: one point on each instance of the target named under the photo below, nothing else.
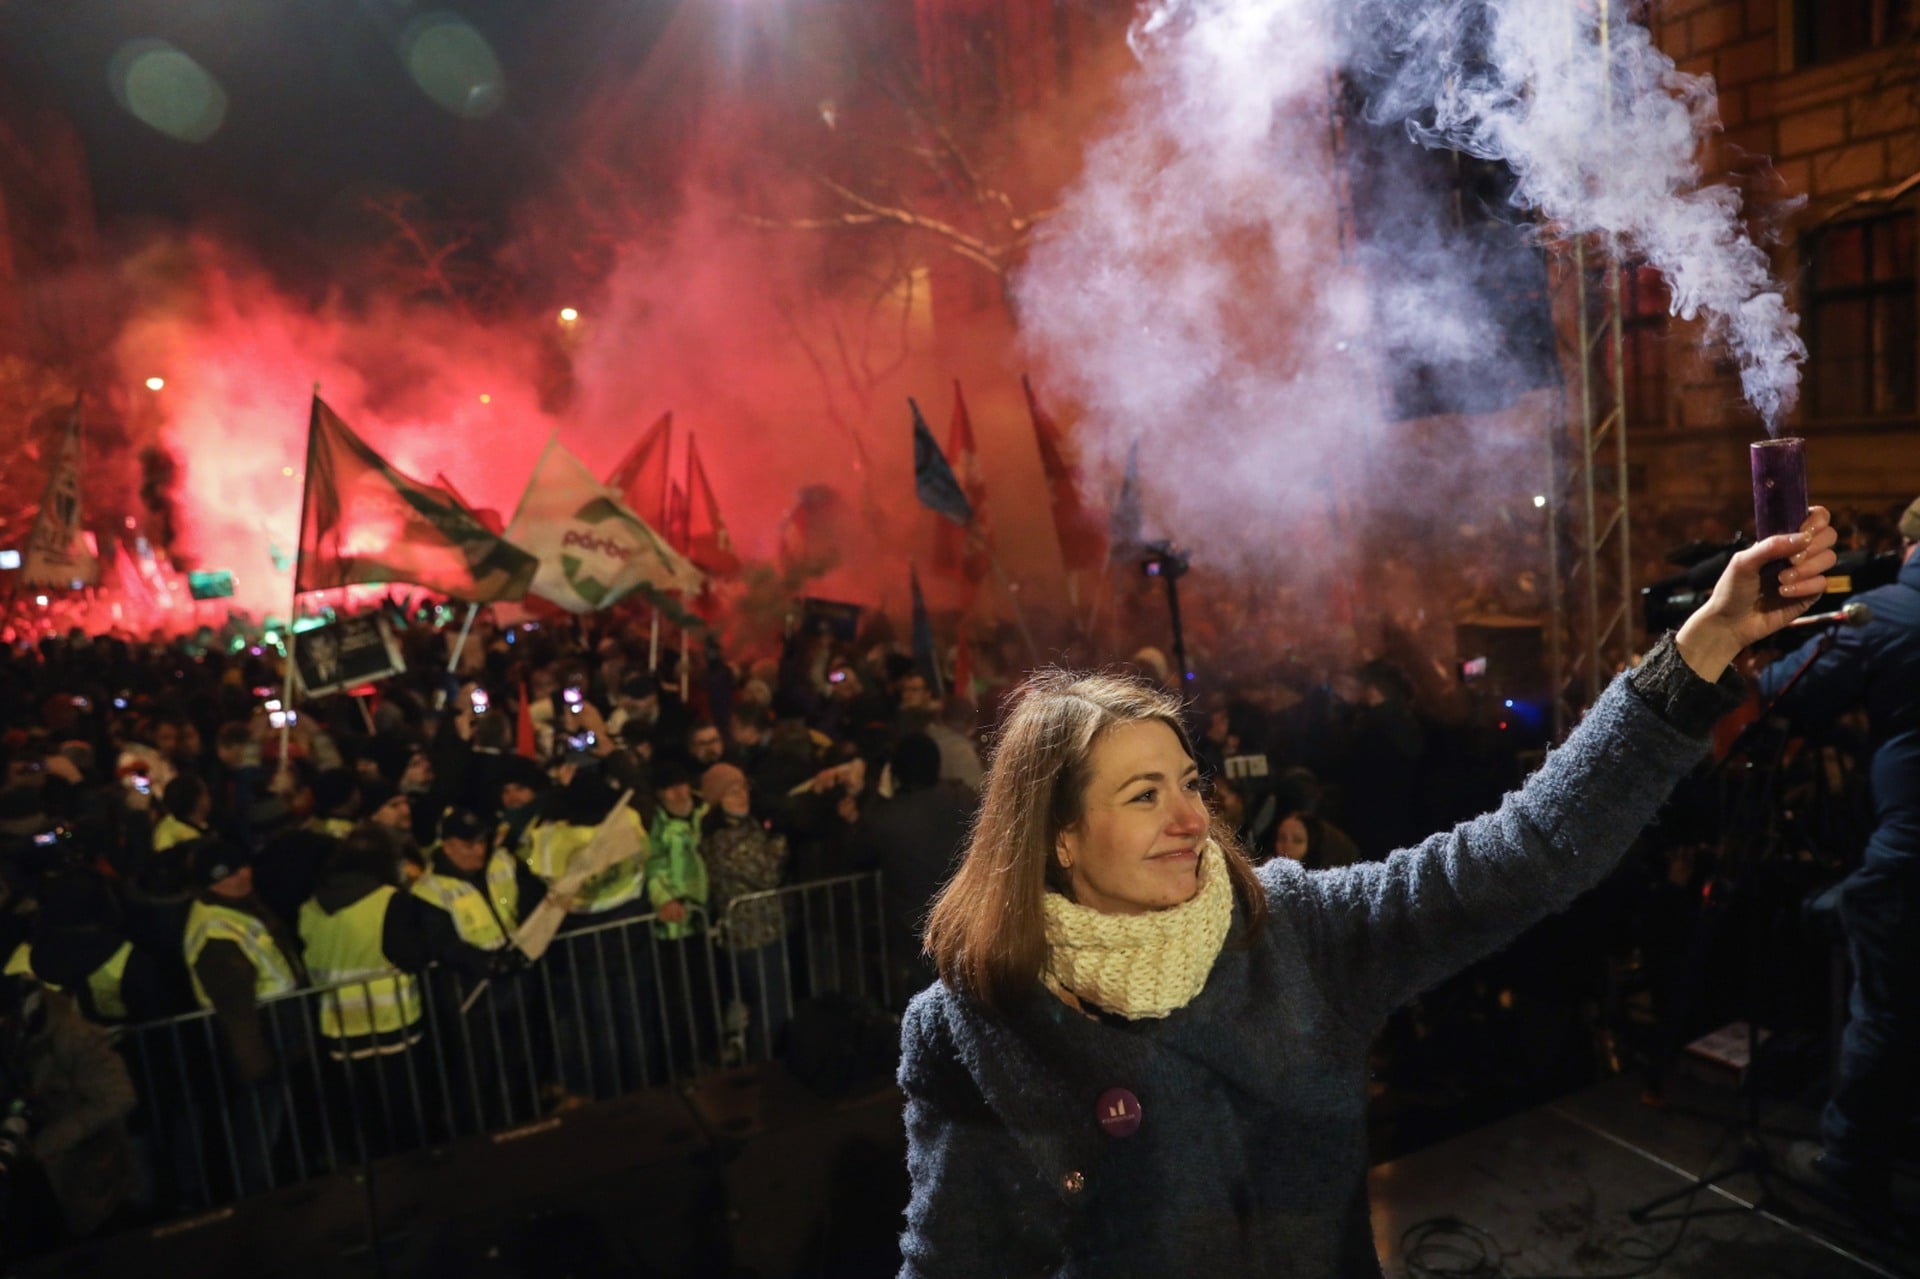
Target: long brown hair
(986, 933)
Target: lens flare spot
(568, 315)
(167, 91)
(486, 399)
(453, 64)
(156, 384)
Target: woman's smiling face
(1136, 847)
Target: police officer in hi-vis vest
(364, 939)
(238, 954)
(486, 893)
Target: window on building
(1860, 319)
(1829, 30)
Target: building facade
(1829, 90)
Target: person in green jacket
(676, 872)
(676, 885)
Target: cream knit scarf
(1140, 965)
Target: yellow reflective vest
(274, 973)
(170, 830)
(554, 848)
(345, 947)
(104, 984)
(486, 921)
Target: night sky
(321, 110)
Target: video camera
(1671, 600)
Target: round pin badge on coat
(1119, 1113)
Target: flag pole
(460, 645)
(1013, 598)
(293, 603)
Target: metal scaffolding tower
(1590, 563)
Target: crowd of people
(174, 841)
(171, 845)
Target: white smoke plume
(1199, 291)
(1603, 133)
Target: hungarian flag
(57, 550)
(933, 479)
(965, 552)
(924, 655)
(708, 544)
(593, 550)
(1082, 545)
(363, 521)
(641, 477)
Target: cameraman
(1874, 1094)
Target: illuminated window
(1860, 319)
(1829, 30)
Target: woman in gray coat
(1144, 1057)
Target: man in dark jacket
(1874, 1091)
(916, 839)
(238, 953)
(81, 946)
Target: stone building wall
(1843, 135)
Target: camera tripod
(1748, 811)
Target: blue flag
(932, 478)
(924, 655)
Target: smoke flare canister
(1779, 495)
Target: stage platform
(750, 1176)
(1548, 1193)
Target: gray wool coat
(1250, 1157)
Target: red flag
(708, 544)
(523, 739)
(641, 476)
(674, 529)
(965, 552)
(1082, 545)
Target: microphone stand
(1753, 1157)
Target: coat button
(1119, 1113)
(1073, 1183)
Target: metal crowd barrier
(836, 925)
(610, 1009)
